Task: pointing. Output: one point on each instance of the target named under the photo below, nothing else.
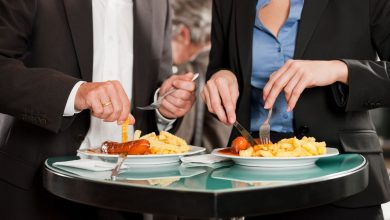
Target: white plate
(150, 159)
(276, 161)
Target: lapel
(311, 14)
(245, 18)
(79, 14)
(143, 18)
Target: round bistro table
(216, 191)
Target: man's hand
(179, 102)
(296, 75)
(220, 95)
(106, 100)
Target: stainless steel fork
(264, 131)
(121, 158)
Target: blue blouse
(269, 53)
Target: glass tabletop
(226, 177)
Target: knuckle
(278, 84)
(220, 81)
(210, 83)
(296, 93)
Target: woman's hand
(106, 100)
(220, 95)
(296, 75)
(179, 102)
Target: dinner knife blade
(244, 133)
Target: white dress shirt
(112, 60)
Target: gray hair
(196, 16)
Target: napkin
(204, 160)
(88, 164)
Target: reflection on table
(174, 189)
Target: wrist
(341, 71)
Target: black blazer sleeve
(369, 81)
(35, 95)
(219, 50)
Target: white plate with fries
(282, 162)
(150, 159)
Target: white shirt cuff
(69, 107)
(163, 124)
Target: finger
(296, 94)
(184, 85)
(291, 85)
(274, 77)
(202, 96)
(125, 102)
(226, 98)
(177, 102)
(181, 94)
(278, 86)
(167, 84)
(186, 77)
(168, 107)
(116, 103)
(96, 107)
(215, 100)
(105, 104)
(207, 99)
(131, 119)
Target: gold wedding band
(106, 104)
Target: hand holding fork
(156, 104)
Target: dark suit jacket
(46, 46)
(329, 29)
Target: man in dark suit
(51, 51)
(323, 67)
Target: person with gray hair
(191, 31)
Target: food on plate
(137, 147)
(166, 143)
(238, 144)
(291, 147)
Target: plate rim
(193, 150)
(216, 153)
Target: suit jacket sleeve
(35, 95)
(218, 53)
(369, 81)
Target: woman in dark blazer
(328, 80)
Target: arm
(220, 92)
(35, 95)
(368, 81)
(376, 93)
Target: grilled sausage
(137, 147)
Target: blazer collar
(79, 14)
(311, 14)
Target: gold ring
(106, 104)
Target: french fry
(137, 135)
(125, 130)
(291, 147)
(165, 143)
